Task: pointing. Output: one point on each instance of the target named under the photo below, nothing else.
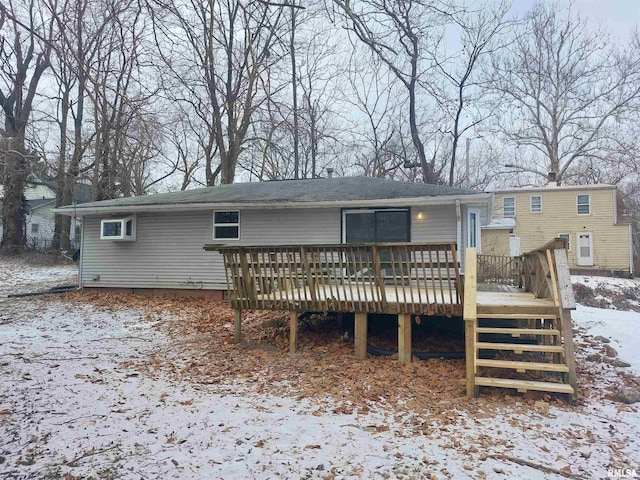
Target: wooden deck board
(523, 366)
(515, 299)
(524, 385)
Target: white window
(226, 225)
(473, 229)
(567, 237)
(118, 228)
(509, 206)
(536, 204)
(584, 206)
(35, 228)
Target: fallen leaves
(323, 369)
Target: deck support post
(470, 316)
(293, 332)
(404, 337)
(237, 326)
(361, 336)
(569, 353)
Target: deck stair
(522, 338)
(530, 350)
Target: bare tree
(372, 96)
(82, 28)
(226, 49)
(566, 87)
(481, 32)
(25, 50)
(397, 33)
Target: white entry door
(585, 249)
(514, 246)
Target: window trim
(236, 224)
(35, 228)
(568, 235)
(504, 210)
(476, 212)
(578, 204)
(531, 203)
(123, 237)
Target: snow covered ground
(73, 406)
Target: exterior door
(585, 250)
(514, 246)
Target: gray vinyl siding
(168, 253)
(439, 224)
(289, 226)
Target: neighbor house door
(585, 250)
(514, 246)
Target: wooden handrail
(410, 278)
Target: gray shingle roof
(289, 191)
(39, 202)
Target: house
(590, 218)
(353, 244)
(40, 193)
(156, 241)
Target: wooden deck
(403, 298)
(397, 299)
(505, 302)
(533, 291)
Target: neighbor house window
(226, 225)
(567, 237)
(584, 207)
(35, 228)
(118, 228)
(509, 206)
(536, 204)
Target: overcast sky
(620, 17)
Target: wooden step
(516, 332)
(523, 366)
(517, 316)
(519, 347)
(524, 385)
(528, 311)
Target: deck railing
(544, 272)
(498, 269)
(375, 278)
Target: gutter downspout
(81, 252)
(631, 249)
(459, 233)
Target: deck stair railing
(536, 342)
(399, 278)
(499, 269)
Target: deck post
(404, 337)
(470, 317)
(293, 331)
(237, 326)
(569, 353)
(361, 336)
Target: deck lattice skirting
(532, 291)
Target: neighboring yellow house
(589, 217)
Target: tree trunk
(14, 207)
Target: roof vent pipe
(330, 172)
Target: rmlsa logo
(622, 473)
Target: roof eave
(78, 210)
